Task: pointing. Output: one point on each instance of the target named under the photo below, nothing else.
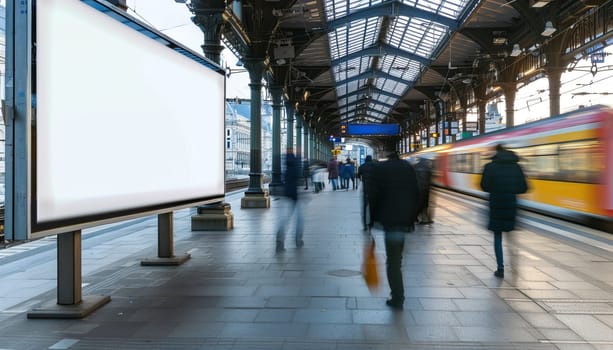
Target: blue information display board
(373, 129)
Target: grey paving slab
(543, 321)
(588, 327)
(236, 292)
(336, 331)
(428, 333)
(491, 334)
(435, 318)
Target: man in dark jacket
(394, 196)
(504, 179)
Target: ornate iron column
(439, 107)
(276, 185)
(290, 125)
(208, 16)
(509, 102)
(255, 196)
(554, 69)
(481, 97)
(554, 76)
(311, 153)
(210, 21)
(306, 143)
(298, 151)
(481, 108)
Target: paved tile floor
(236, 292)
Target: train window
(525, 155)
(485, 157)
(470, 163)
(544, 164)
(528, 164)
(581, 161)
(466, 162)
(476, 164)
(546, 150)
(463, 163)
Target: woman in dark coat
(504, 179)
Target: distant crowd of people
(396, 195)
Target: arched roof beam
(368, 90)
(379, 115)
(374, 73)
(379, 50)
(366, 101)
(392, 8)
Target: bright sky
(174, 20)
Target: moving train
(568, 160)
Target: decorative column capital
(210, 21)
(276, 91)
(255, 66)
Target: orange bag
(369, 266)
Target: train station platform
(237, 292)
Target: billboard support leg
(166, 255)
(70, 303)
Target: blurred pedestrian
(318, 171)
(504, 179)
(353, 170)
(292, 174)
(424, 177)
(364, 174)
(347, 173)
(333, 173)
(306, 173)
(394, 195)
(355, 176)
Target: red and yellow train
(568, 160)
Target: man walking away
(394, 195)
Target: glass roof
(385, 57)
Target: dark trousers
(366, 211)
(394, 245)
(498, 249)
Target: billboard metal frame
(21, 222)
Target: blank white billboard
(123, 123)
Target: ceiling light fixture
(516, 51)
(549, 29)
(499, 38)
(540, 3)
